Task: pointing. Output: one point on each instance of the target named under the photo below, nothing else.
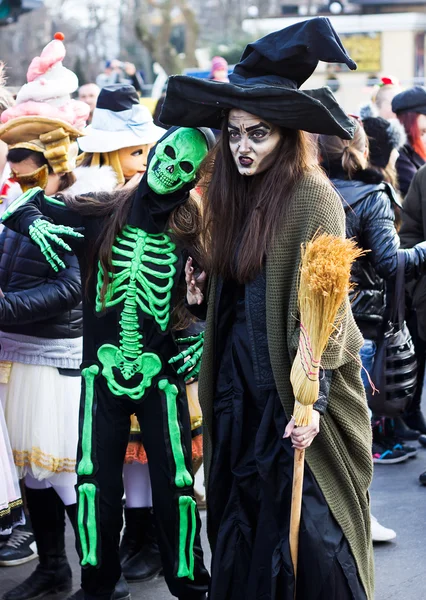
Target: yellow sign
(365, 49)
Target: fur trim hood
(368, 111)
(397, 133)
(91, 180)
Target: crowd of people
(142, 332)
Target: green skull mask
(176, 160)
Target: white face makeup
(252, 141)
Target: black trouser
(177, 520)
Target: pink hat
(218, 63)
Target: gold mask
(37, 178)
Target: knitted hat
(218, 62)
(266, 83)
(412, 100)
(384, 136)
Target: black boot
(53, 573)
(121, 592)
(416, 420)
(139, 553)
(404, 432)
(71, 511)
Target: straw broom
(324, 286)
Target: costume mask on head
(172, 168)
(134, 159)
(122, 132)
(176, 160)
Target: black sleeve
(22, 213)
(381, 239)
(137, 81)
(199, 311)
(411, 232)
(324, 391)
(406, 171)
(45, 301)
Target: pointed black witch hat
(266, 83)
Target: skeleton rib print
(144, 276)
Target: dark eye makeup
(258, 134)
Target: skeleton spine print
(143, 278)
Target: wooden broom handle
(296, 507)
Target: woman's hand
(194, 284)
(302, 437)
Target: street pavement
(398, 501)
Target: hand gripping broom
(324, 285)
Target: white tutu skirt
(41, 411)
(11, 508)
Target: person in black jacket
(369, 205)
(410, 108)
(413, 231)
(40, 338)
(368, 201)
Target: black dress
(250, 484)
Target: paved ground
(398, 502)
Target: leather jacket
(407, 165)
(37, 300)
(369, 206)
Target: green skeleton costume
(129, 356)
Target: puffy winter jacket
(370, 221)
(38, 302)
(407, 165)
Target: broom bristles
(324, 286)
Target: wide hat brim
(97, 140)
(192, 102)
(27, 128)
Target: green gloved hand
(194, 353)
(43, 233)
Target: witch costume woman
(261, 183)
(127, 345)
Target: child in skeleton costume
(121, 135)
(128, 347)
(262, 183)
(41, 322)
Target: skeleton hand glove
(194, 353)
(43, 233)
